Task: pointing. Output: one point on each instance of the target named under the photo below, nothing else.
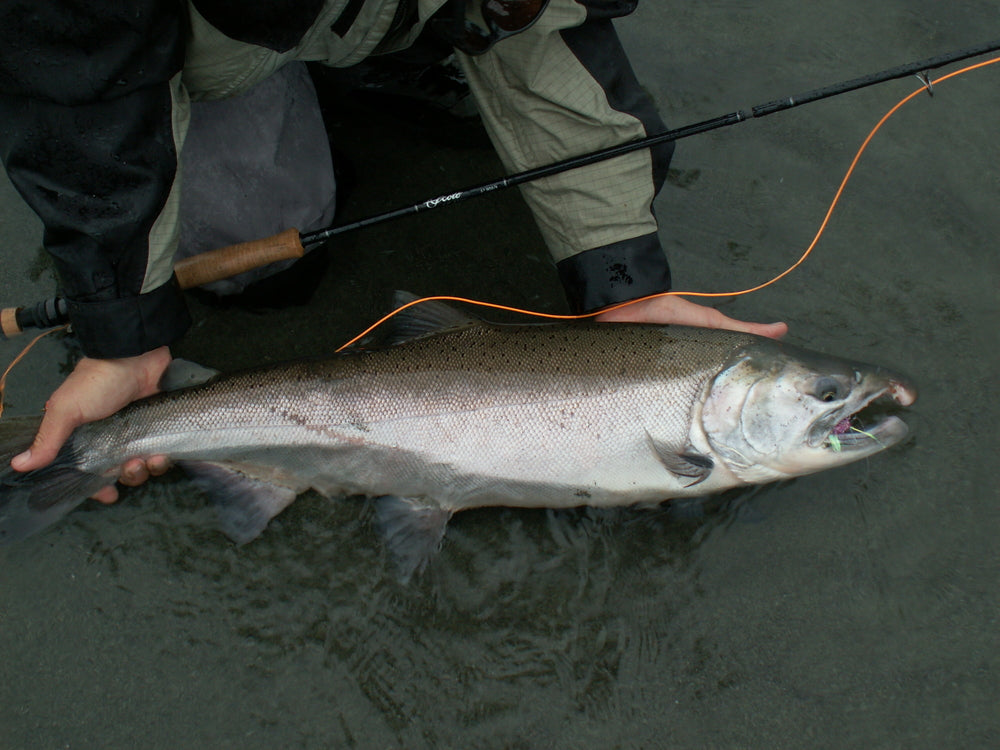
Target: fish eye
(828, 389)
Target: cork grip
(8, 322)
(233, 259)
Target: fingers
(770, 330)
(138, 470)
(133, 473)
(158, 465)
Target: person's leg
(564, 88)
(254, 165)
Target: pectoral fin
(246, 498)
(413, 532)
(683, 462)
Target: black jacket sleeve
(86, 136)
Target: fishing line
(927, 87)
(19, 357)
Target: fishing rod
(290, 244)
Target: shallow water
(856, 607)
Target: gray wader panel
(253, 165)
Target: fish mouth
(871, 426)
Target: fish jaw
(862, 428)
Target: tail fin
(31, 501)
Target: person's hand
(679, 311)
(96, 389)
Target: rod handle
(224, 262)
(45, 314)
(8, 322)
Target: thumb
(56, 426)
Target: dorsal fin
(424, 319)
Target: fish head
(777, 411)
